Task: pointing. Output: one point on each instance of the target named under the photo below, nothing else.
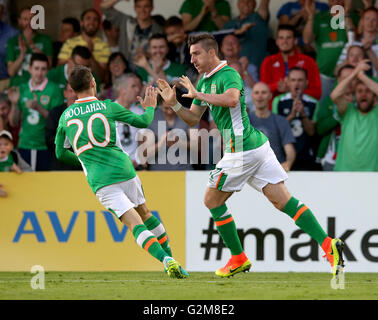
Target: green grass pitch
(199, 286)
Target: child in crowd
(10, 160)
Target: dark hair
(159, 20)
(158, 36)
(73, 22)
(90, 10)
(80, 78)
(108, 76)
(288, 27)
(207, 41)
(4, 97)
(81, 51)
(22, 10)
(347, 66)
(135, 2)
(173, 21)
(374, 9)
(39, 57)
(298, 69)
(115, 55)
(106, 24)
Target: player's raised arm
(139, 121)
(338, 94)
(190, 116)
(229, 99)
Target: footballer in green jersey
(31, 103)
(248, 157)
(89, 126)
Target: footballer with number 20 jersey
(90, 126)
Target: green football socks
(148, 242)
(305, 220)
(227, 229)
(156, 227)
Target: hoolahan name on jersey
(80, 110)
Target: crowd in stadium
(293, 78)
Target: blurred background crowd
(310, 84)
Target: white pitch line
(229, 281)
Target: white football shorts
(121, 197)
(257, 167)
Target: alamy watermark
(37, 281)
(338, 17)
(339, 281)
(38, 19)
(178, 146)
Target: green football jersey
(48, 95)
(357, 150)
(233, 123)
(90, 126)
(6, 164)
(329, 43)
(194, 7)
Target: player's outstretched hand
(192, 92)
(166, 92)
(150, 98)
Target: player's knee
(207, 202)
(277, 194)
(212, 202)
(275, 201)
(144, 212)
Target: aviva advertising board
(53, 219)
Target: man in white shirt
(127, 88)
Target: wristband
(177, 107)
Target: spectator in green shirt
(205, 15)
(31, 103)
(158, 66)
(22, 46)
(357, 150)
(329, 42)
(327, 123)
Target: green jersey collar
(86, 99)
(41, 87)
(220, 66)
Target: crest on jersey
(213, 89)
(45, 100)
